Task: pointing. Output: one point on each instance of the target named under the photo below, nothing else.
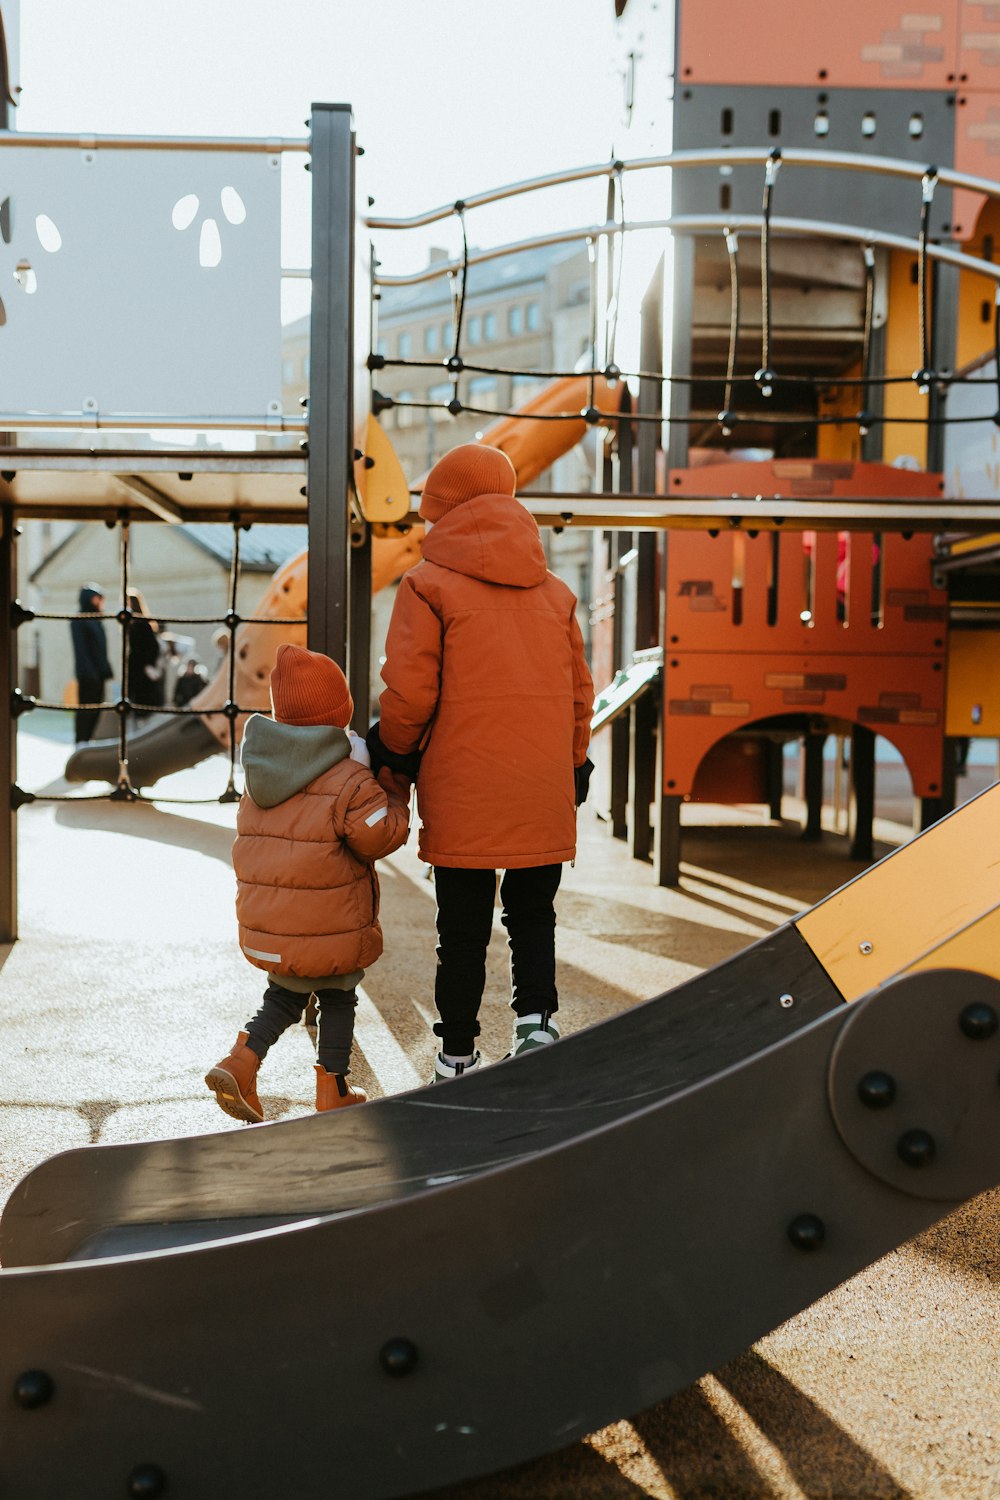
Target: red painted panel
(904, 44)
(978, 46)
(734, 770)
(708, 695)
(874, 657)
(977, 149)
(805, 478)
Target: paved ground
(127, 983)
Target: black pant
(464, 922)
(282, 1008)
(88, 690)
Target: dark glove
(581, 780)
(403, 765)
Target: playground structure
(800, 592)
(894, 321)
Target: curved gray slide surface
(478, 1273)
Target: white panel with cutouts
(138, 282)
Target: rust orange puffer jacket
(307, 830)
(484, 655)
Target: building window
(431, 338)
(382, 348)
(490, 327)
(474, 330)
(288, 370)
(404, 414)
(533, 317)
(515, 321)
(305, 368)
(441, 394)
(447, 334)
(483, 392)
(405, 345)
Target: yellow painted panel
(902, 357)
(919, 896)
(973, 697)
(378, 477)
(836, 444)
(976, 293)
(976, 947)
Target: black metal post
(668, 832)
(645, 714)
(774, 771)
(331, 360)
(8, 726)
(814, 743)
(621, 728)
(668, 847)
(862, 792)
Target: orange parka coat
(307, 830)
(485, 666)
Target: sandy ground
(127, 982)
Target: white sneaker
(536, 1030)
(445, 1070)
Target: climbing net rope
(766, 381)
(122, 706)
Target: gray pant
(282, 1008)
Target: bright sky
(450, 96)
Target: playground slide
(531, 445)
(618, 1214)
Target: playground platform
(128, 982)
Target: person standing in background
(145, 667)
(90, 660)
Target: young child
(310, 824)
(485, 668)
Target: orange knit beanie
(470, 470)
(308, 688)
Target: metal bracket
(914, 1083)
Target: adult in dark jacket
(90, 659)
(145, 668)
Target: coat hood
(491, 537)
(280, 759)
(88, 594)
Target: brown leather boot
(333, 1091)
(234, 1081)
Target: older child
(310, 824)
(485, 667)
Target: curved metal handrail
(891, 166)
(274, 145)
(705, 223)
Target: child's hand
(394, 783)
(359, 750)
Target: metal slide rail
(712, 156)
